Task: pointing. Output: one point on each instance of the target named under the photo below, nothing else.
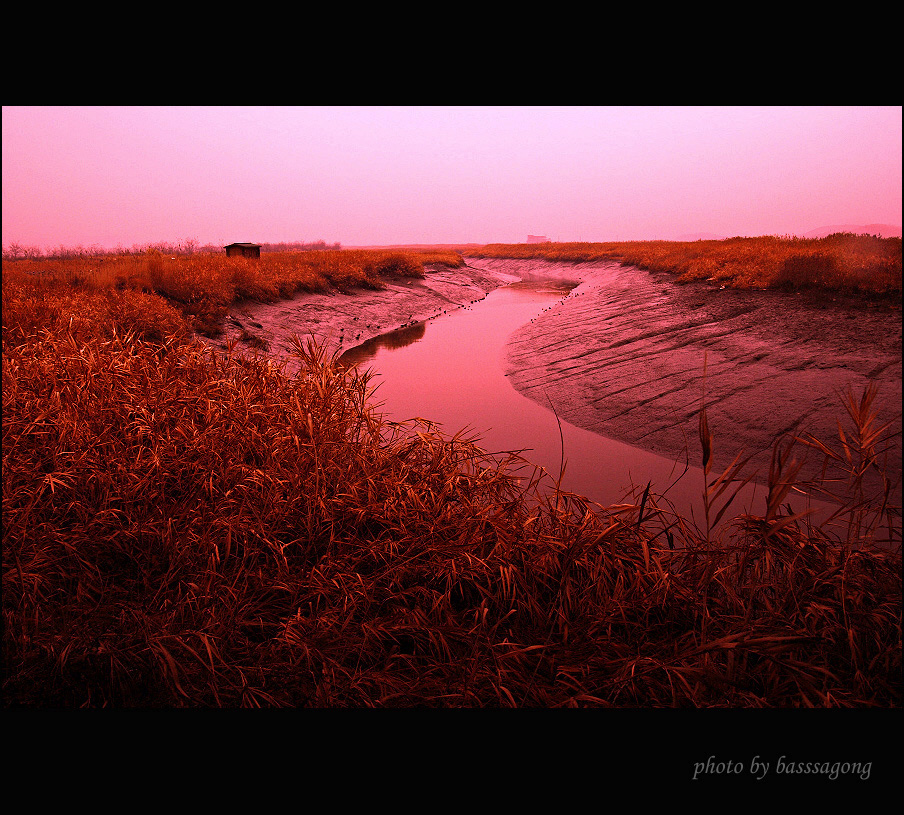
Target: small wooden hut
(245, 250)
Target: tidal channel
(449, 370)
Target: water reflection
(453, 375)
(390, 341)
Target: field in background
(861, 264)
(187, 527)
(202, 286)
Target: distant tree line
(187, 246)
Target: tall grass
(862, 264)
(202, 286)
(185, 527)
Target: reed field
(191, 527)
(202, 286)
(859, 264)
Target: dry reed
(860, 264)
(184, 527)
(202, 286)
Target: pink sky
(120, 176)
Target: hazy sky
(119, 176)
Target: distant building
(245, 250)
(537, 239)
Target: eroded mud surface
(343, 321)
(623, 354)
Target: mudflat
(341, 321)
(633, 355)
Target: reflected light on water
(450, 370)
(390, 341)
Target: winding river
(622, 359)
(450, 369)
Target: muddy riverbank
(623, 353)
(343, 321)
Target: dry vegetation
(184, 527)
(862, 264)
(203, 286)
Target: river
(623, 358)
(450, 370)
